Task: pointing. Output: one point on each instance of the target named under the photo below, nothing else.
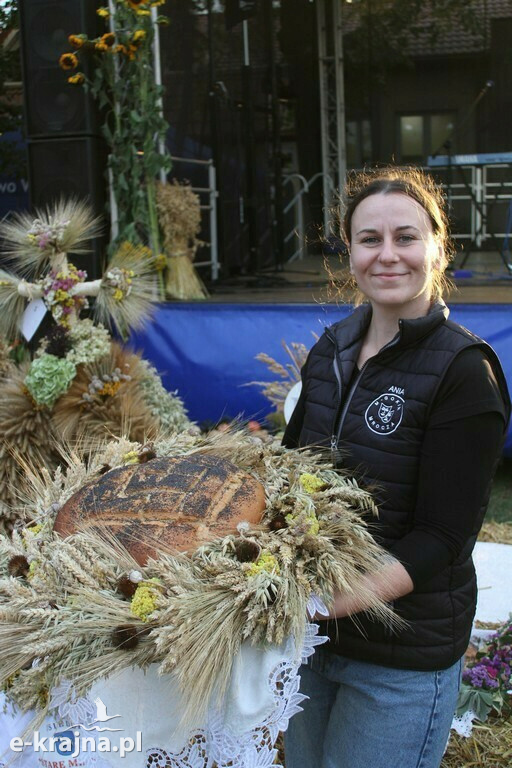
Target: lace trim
(463, 724)
(254, 749)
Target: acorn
(247, 551)
(126, 586)
(104, 469)
(18, 566)
(125, 637)
(278, 523)
(146, 455)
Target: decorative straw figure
(179, 214)
(39, 249)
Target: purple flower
(478, 676)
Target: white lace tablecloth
(262, 696)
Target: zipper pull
(335, 454)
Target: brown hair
(415, 184)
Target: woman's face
(393, 252)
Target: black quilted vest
(374, 424)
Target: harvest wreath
(102, 579)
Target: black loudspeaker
(71, 167)
(66, 155)
(53, 107)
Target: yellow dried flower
(33, 530)
(310, 523)
(265, 563)
(311, 483)
(32, 570)
(314, 525)
(139, 35)
(132, 457)
(110, 388)
(145, 600)
(68, 61)
(103, 12)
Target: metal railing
(478, 200)
(295, 207)
(211, 194)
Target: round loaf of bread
(165, 504)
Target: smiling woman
(417, 406)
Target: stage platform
(477, 278)
(206, 350)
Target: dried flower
(103, 12)
(90, 342)
(145, 599)
(132, 457)
(57, 342)
(312, 483)
(48, 378)
(266, 563)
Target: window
(423, 135)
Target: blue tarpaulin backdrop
(207, 351)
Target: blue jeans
(362, 715)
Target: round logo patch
(384, 415)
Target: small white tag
(32, 317)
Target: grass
(500, 504)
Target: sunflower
(103, 12)
(108, 39)
(138, 36)
(68, 61)
(136, 4)
(77, 41)
(77, 79)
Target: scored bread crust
(165, 504)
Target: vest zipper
(340, 416)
